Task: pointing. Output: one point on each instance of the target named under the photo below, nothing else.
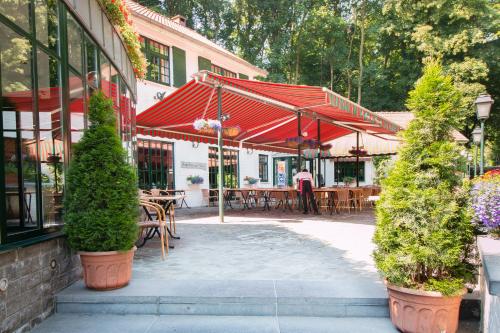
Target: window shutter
(243, 76)
(204, 64)
(179, 60)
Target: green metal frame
(148, 53)
(40, 234)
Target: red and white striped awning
(266, 113)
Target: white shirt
(303, 175)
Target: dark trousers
(308, 192)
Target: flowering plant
(195, 180)
(250, 180)
(361, 151)
(200, 124)
(486, 201)
(119, 16)
(214, 124)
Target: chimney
(179, 19)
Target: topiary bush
(424, 235)
(101, 202)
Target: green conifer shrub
(423, 235)
(101, 202)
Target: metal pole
(299, 147)
(481, 157)
(221, 156)
(319, 155)
(475, 160)
(357, 159)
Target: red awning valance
(265, 112)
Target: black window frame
(348, 169)
(264, 168)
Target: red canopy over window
(266, 113)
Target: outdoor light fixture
(476, 135)
(483, 108)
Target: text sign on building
(281, 168)
(194, 165)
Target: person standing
(304, 179)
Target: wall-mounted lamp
(195, 144)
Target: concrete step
(228, 298)
(77, 323)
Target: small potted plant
(424, 236)
(348, 180)
(101, 202)
(195, 180)
(251, 180)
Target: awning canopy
(265, 112)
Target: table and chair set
(156, 207)
(329, 199)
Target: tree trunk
(331, 75)
(349, 71)
(361, 45)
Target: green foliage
(101, 203)
(382, 166)
(424, 235)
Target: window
(158, 58)
(224, 72)
(348, 169)
(155, 164)
(230, 167)
(264, 168)
(44, 87)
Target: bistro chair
(323, 199)
(367, 191)
(344, 200)
(209, 196)
(357, 197)
(152, 219)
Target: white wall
(249, 167)
(147, 94)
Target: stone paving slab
(209, 324)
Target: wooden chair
(357, 198)
(323, 200)
(209, 196)
(367, 191)
(344, 200)
(156, 219)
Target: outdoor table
(267, 195)
(245, 195)
(180, 192)
(167, 202)
(331, 198)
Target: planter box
(489, 250)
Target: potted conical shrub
(424, 237)
(101, 202)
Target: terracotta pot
(417, 311)
(107, 270)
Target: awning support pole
(221, 156)
(319, 155)
(299, 152)
(357, 159)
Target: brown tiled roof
(402, 118)
(144, 12)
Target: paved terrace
(257, 245)
(258, 272)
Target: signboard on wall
(194, 165)
(281, 171)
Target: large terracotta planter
(417, 311)
(107, 270)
